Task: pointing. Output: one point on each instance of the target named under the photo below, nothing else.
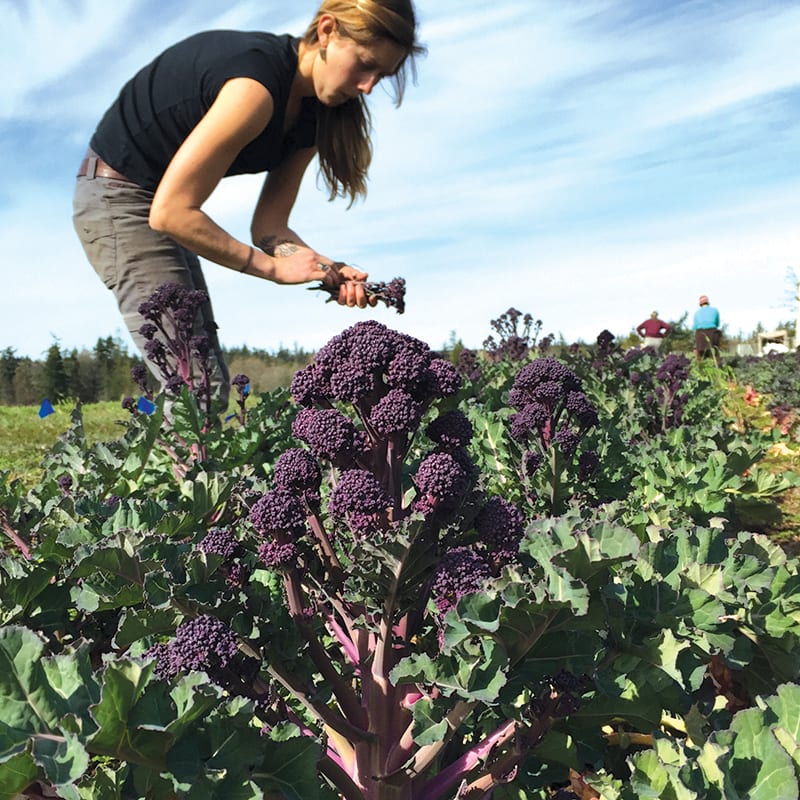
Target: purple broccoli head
(441, 479)
(500, 526)
(329, 434)
(451, 429)
(395, 413)
(360, 501)
(460, 572)
(298, 471)
(204, 643)
(222, 542)
(279, 514)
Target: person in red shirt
(653, 331)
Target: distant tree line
(104, 372)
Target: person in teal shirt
(707, 334)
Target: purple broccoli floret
(298, 471)
(545, 380)
(409, 368)
(444, 379)
(204, 643)
(531, 461)
(451, 429)
(278, 555)
(461, 571)
(395, 413)
(500, 525)
(359, 500)
(468, 366)
(533, 420)
(279, 513)
(329, 434)
(580, 408)
(222, 542)
(568, 440)
(307, 386)
(351, 363)
(441, 478)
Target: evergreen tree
(8, 366)
(29, 388)
(56, 385)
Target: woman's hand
(304, 265)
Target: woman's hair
(343, 131)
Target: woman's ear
(326, 27)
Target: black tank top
(158, 108)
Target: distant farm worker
(707, 334)
(224, 103)
(653, 331)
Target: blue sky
(583, 161)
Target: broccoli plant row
(384, 591)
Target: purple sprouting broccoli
(441, 482)
(176, 346)
(567, 440)
(549, 400)
(517, 336)
(389, 379)
(605, 347)
(299, 472)
(391, 294)
(64, 483)
(468, 366)
(396, 412)
(451, 429)
(221, 542)
(305, 386)
(279, 513)
(139, 375)
(360, 501)
(203, 643)
(330, 435)
(500, 526)
(461, 571)
(552, 419)
(408, 369)
(659, 384)
(544, 380)
(443, 378)
(278, 555)
(280, 517)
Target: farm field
(538, 573)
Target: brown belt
(94, 167)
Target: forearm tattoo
(272, 246)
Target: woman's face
(351, 69)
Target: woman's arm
(243, 108)
(270, 226)
(271, 232)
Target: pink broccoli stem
(449, 777)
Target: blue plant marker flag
(229, 417)
(46, 409)
(246, 390)
(146, 406)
